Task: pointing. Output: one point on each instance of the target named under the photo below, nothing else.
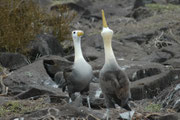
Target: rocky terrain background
(146, 44)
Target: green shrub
(19, 107)
(22, 20)
(153, 107)
(10, 107)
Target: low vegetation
(14, 108)
(153, 107)
(1, 69)
(22, 20)
(163, 8)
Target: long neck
(78, 51)
(109, 54)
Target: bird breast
(83, 70)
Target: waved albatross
(114, 82)
(78, 77)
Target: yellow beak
(80, 33)
(104, 20)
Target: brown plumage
(115, 87)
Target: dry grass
(22, 20)
(18, 107)
(19, 23)
(59, 24)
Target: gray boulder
(157, 56)
(12, 61)
(150, 87)
(45, 44)
(32, 76)
(170, 97)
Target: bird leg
(70, 100)
(106, 115)
(109, 104)
(78, 101)
(130, 115)
(85, 92)
(72, 97)
(88, 101)
(4, 88)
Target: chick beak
(80, 33)
(104, 20)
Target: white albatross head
(77, 34)
(106, 32)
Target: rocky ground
(146, 44)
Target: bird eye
(74, 32)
